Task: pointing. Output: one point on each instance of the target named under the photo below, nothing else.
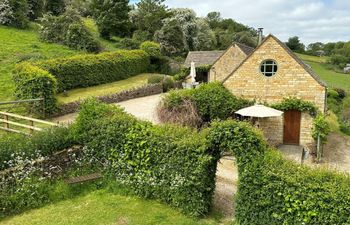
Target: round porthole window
(268, 67)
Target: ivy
(297, 104)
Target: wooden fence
(10, 120)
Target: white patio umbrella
(259, 111)
(193, 72)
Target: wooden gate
(291, 131)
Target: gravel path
(143, 108)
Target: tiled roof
(202, 58)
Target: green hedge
(272, 190)
(169, 163)
(31, 82)
(88, 70)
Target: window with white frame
(268, 67)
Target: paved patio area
(292, 152)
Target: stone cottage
(222, 62)
(270, 73)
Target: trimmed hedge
(89, 70)
(169, 163)
(273, 190)
(43, 79)
(31, 82)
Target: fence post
(31, 122)
(6, 125)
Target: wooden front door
(291, 131)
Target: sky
(310, 20)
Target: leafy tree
(35, 9)
(14, 13)
(295, 45)
(55, 7)
(171, 38)
(112, 17)
(149, 16)
(313, 48)
(205, 39)
(83, 7)
(245, 37)
(214, 19)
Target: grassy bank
(104, 207)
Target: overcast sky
(311, 20)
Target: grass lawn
(104, 89)
(17, 45)
(330, 77)
(103, 207)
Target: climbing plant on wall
(297, 104)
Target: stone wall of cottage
(291, 80)
(226, 64)
(272, 129)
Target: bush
(167, 163)
(128, 43)
(151, 48)
(31, 82)
(212, 101)
(168, 84)
(88, 70)
(14, 13)
(68, 29)
(78, 37)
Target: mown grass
(104, 89)
(104, 207)
(331, 78)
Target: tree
(171, 38)
(295, 45)
(55, 7)
(205, 39)
(149, 16)
(14, 13)
(112, 17)
(245, 37)
(35, 9)
(214, 19)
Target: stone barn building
(268, 74)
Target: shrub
(31, 82)
(168, 83)
(151, 48)
(35, 9)
(14, 13)
(341, 92)
(128, 43)
(212, 101)
(68, 29)
(88, 70)
(167, 163)
(78, 37)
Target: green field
(103, 207)
(330, 77)
(20, 45)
